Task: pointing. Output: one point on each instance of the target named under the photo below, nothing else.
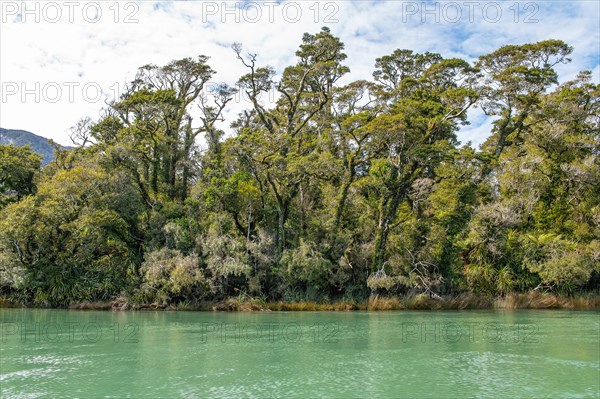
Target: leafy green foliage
(18, 167)
(168, 276)
(73, 241)
(330, 192)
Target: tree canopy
(333, 191)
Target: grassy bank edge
(531, 300)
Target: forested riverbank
(357, 194)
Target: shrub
(169, 276)
(306, 266)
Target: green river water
(483, 354)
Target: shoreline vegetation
(333, 194)
(467, 301)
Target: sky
(61, 61)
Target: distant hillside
(21, 138)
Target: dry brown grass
(540, 300)
(586, 302)
(235, 305)
(5, 303)
(424, 302)
(529, 300)
(468, 301)
(310, 306)
(383, 303)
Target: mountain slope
(20, 138)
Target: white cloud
(106, 53)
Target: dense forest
(329, 192)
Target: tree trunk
(184, 182)
(389, 209)
(155, 167)
(343, 198)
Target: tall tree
(514, 76)
(416, 131)
(281, 149)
